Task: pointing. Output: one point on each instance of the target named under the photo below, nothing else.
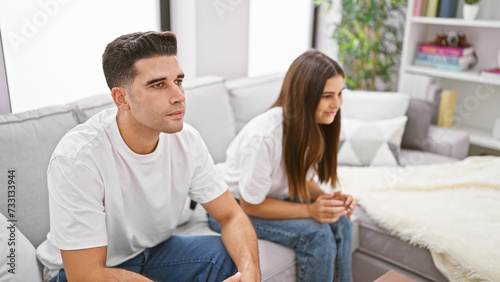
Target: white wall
(53, 48)
(325, 26)
(183, 24)
(280, 30)
(212, 36)
(222, 37)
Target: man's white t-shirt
(254, 167)
(103, 194)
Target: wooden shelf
(456, 22)
(468, 75)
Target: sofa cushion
(375, 242)
(370, 142)
(251, 96)
(25, 266)
(371, 105)
(419, 119)
(87, 107)
(209, 111)
(28, 140)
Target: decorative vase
(470, 11)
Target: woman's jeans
(180, 258)
(323, 250)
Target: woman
(275, 163)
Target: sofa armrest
(448, 142)
(354, 233)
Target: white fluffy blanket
(451, 209)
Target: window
(53, 48)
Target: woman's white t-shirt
(254, 167)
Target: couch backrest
(251, 96)
(87, 107)
(27, 141)
(209, 111)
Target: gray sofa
(218, 109)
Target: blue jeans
(180, 258)
(323, 250)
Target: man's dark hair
(121, 54)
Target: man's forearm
(240, 240)
(107, 274)
(118, 274)
(90, 265)
(237, 234)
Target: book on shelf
(439, 66)
(447, 107)
(445, 50)
(417, 8)
(423, 8)
(465, 60)
(491, 73)
(432, 8)
(448, 8)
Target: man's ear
(120, 97)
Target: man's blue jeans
(323, 250)
(181, 258)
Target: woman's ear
(120, 97)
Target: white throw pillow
(373, 105)
(21, 264)
(371, 142)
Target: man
(118, 182)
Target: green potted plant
(370, 41)
(471, 7)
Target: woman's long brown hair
(307, 144)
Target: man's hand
(349, 203)
(234, 278)
(327, 208)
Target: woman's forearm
(276, 209)
(326, 208)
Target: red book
(417, 8)
(448, 51)
(491, 73)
